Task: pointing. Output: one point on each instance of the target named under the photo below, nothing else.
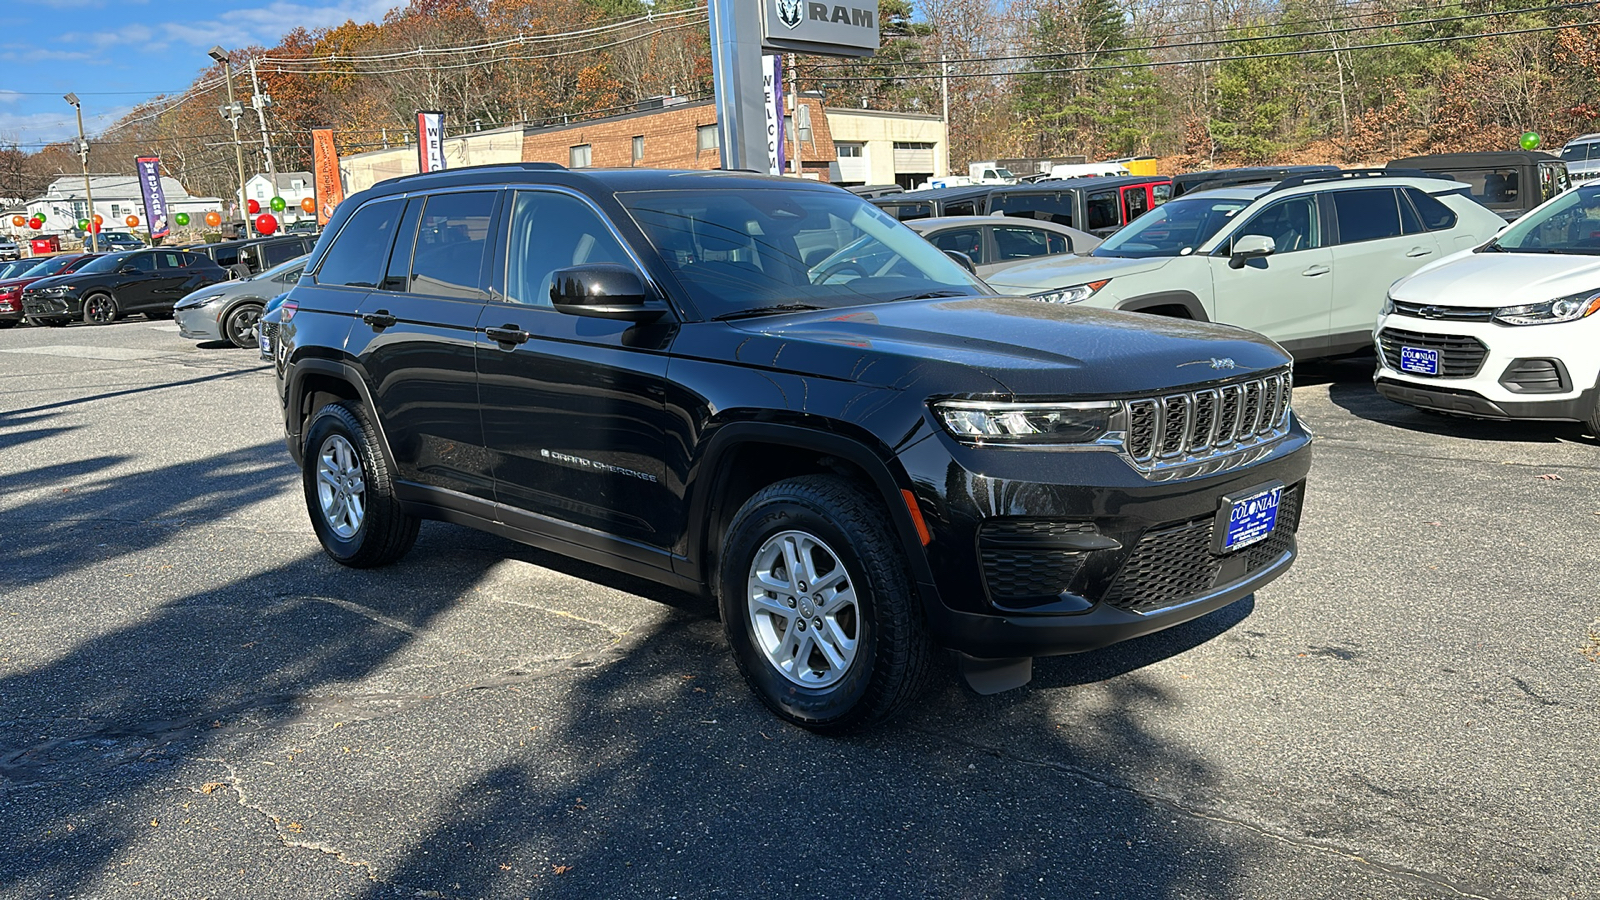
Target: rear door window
(451, 236)
(281, 252)
(1052, 207)
(961, 208)
(1135, 203)
(1100, 209)
(359, 252)
(1368, 214)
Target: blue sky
(116, 53)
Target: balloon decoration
(131, 221)
(278, 204)
(83, 224)
(18, 221)
(1529, 140)
(36, 223)
(213, 218)
(254, 206)
(308, 205)
(39, 215)
(97, 226)
(98, 220)
(181, 219)
(266, 224)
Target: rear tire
(241, 326)
(1594, 417)
(8, 323)
(99, 309)
(839, 643)
(350, 493)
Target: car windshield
(108, 263)
(1174, 228)
(743, 252)
(49, 267)
(1569, 224)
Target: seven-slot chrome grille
(1198, 425)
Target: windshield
(49, 267)
(1569, 224)
(738, 252)
(1174, 228)
(109, 263)
(17, 268)
(1004, 173)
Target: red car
(11, 288)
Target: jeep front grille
(1197, 426)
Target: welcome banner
(430, 142)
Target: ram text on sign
(835, 29)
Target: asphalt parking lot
(195, 702)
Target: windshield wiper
(932, 295)
(1492, 247)
(762, 310)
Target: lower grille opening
(1536, 376)
(1019, 576)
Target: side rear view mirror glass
(1251, 246)
(964, 260)
(602, 291)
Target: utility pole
(944, 98)
(233, 112)
(261, 101)
(88, 191)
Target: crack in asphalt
(284, 832)
(1090, 777)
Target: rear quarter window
(1435, 215)
(361, 249)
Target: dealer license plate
(1249, 518)
(1419, 360)
(266, 344)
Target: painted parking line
(81, 351)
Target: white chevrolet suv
(1305, 261)
(1507, 330)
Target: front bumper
(1543, 372)
(198, 323)
(37, 307)
(1116, 555)
(11, 310)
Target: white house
(115, 198)
(292, 187)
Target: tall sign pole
(742, 30)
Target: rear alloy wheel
(242, 326)
(349, 493)
(819, 607)
(99, 309)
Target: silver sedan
(231, 311)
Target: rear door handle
(1316, 270)
(1418, 251)
(379, 320)
(507, 334)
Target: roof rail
(1349, 174)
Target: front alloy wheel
(99, 309)
(803, 609)
(243, 326)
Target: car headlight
(1075, 294)
(1561, 309)
(1388, 305)
(992, 422)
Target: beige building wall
(476, 148)
(880, 131)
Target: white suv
(1306, 261)
(1507, 330)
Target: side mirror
(128, 270)
(964, 260)
(602, 292)
(1251, 246)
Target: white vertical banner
(430, 141)
(772, 87)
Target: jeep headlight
(1075, 294)
(1561, 309)
(993, 422)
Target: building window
(638, 149)
(578, 157)
(849, 149)
(705, 138)
(116, 210)
(913, 145)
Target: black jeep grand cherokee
(771, 391)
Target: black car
(769, 391)
(113, 241)
(1510, 182)
(249, 257)
(1210, 179)
(111, 286)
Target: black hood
(1022, 347)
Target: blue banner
(155, 201)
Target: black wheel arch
(1182, 299)
(311, 382)
(713, 489)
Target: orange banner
(325, 161)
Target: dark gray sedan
(230, 311)
(999, 242)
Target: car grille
(1460, 356)
(1175, 564)
(1202, 424)
(1443, 313)
(1020, 575)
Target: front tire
(350, 493)
(241, 326)
(819, 607)
(99, 309)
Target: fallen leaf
(210, 786)
(561, 870)
(1550, 476)
(154, 823)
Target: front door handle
(1315, 271)
(507, 334)
(379, 320)
(1418, 251)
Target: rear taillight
(287, 310)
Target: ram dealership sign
(848, 28)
